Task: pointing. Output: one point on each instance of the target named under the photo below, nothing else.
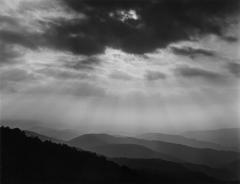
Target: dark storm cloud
(19, 38)
(68, 36)
(8, 20)
(8, 55)
(234, 68)
(192, 52)
(154, 75)
(87, 63)
(158, 24)
(193, 72)
(13, 34)
(230, 39)
(155, 25)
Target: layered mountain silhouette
(29, 160)
(41, 137)
(130, 151)
(60, 134)
(179, 139)
(109, 145)
(44, 130)
(225, 137)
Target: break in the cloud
(120, 65)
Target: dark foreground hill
(229, 172)
(29, 160)
(42, 137)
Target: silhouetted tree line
(31, 161)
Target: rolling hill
(226, 137)
(44, 130)
(183, 153)
(29, 160)
(178, 139)
(60, 134)
(41, 137)
(129, 151)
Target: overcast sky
(121, 66)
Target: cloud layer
(121, 65)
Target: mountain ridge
(59, 164)
(204, 156)
(179, 139)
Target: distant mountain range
(113, 146)
(61, 134)
(149, 146)
(130, 151)
(219, 139)
(208, 155)
(28, 160)
(179, 139)
(225, 137)
(33, 126)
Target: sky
(120, 66)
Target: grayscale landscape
(119, 91)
